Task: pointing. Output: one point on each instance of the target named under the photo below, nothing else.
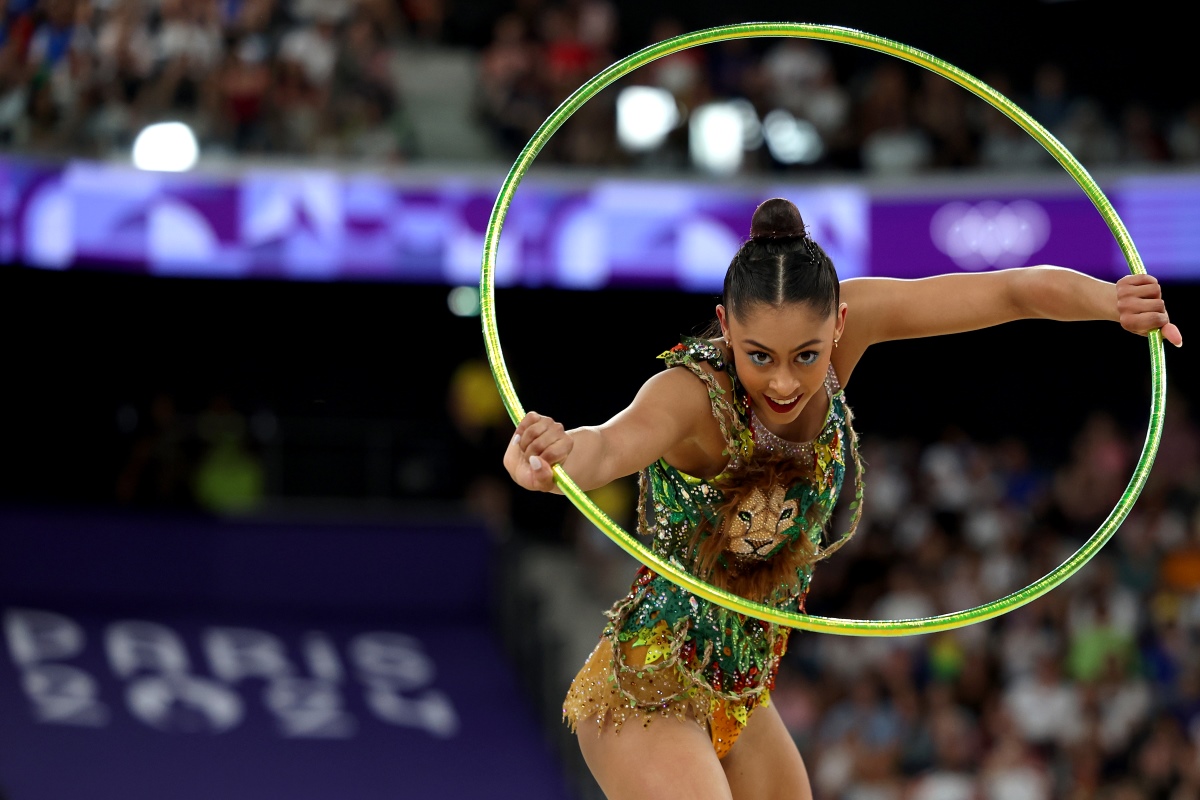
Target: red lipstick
(782, 409)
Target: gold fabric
(597, 696)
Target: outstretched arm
(667, 412)
(885, 309)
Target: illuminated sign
(321, 225)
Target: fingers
(1138, 287)
(1141, 307)
(538, 443)
(529, 472)
(541, 472)
(547, 442)
(1138, 279)
(530, 418)
(1142, 322)
(1171, 333)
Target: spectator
(426, 17)
(1141, 141)
(510, 99)
(256, 19)
(1161, 761)
(127, 57)
(314, 46)
(13, 95)
(891, 143)
(244, 87)
(229, 477)
(1045, 707)
(50, 45)
(190, 48)
(1087, 133)
(297, 104)
(1122, 701)
(1011, 769)
(1101, 625)
(863, 717)
(158, 469)
(1089, 485)
(941, 110)
(565, 58)
(1184, 135)
(683, 74)
(1050, 101)
(736, 71)
(367, 105)
(793, 68)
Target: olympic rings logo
(990, 234)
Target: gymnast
(742, 452)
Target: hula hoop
(851, 627)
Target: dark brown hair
(780, 264)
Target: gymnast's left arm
(884, 309)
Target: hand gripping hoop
(853, 627)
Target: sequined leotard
(666, 651)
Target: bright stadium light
(715, 138)
(645, 115)
(791, 140)
(752, 132)
(463, 301)
(166, 147)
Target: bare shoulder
(682, 399)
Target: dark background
(80, 345)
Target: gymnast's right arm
(666, 414)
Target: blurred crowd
(300, 77)
(248, 76)
(1091, 691)
(881, 117)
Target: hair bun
(776, 218)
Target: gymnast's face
(781, 354)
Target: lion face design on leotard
(761, 524)
(763, 532)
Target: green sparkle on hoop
(853, 627)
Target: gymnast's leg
(764, 764)
(669, 758)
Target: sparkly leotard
(666, 651)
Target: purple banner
(324, 225)
(152, 706)
(146, 656)
(1163, 216)
(978, 233)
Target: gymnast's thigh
(764, 764)
(669, 758)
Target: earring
(835, 343)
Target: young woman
(742, 453)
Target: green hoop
(730, 601)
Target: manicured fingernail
(516, 438)
(535, 462)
